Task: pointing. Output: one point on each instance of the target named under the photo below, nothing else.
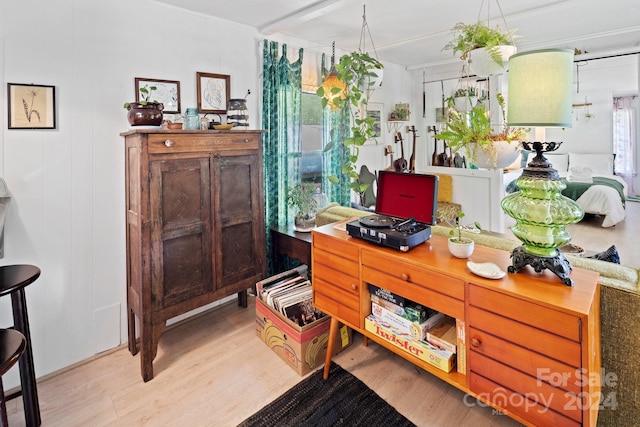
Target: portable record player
(406, 207)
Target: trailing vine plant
(357, 71)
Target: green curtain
(335, 128)
(281, 144)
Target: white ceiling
(413, 32)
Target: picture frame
(167, 93)
(376, 111)
(213, 92)
(31, 106)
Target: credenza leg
(333, 333)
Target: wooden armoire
(194, 225)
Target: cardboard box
(422, 350)
(418, 331)
(443, 334)
(303, 348)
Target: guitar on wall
(400, 165)
(435, 160)
(412, 159)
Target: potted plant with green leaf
(487, 49)
(301, 198)
(358, 71)
(146, 111)
(459, 245)
(485, 145)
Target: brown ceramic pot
(145, 115)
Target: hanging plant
(358, 71)
(468, 37)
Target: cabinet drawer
(515, 403)
(337, 303)
(337, 247)
(179, 143)
(411, 273)
(557, 322)
(532, 339)
(531, 363)
(340, 278)
(334, 262)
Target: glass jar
(191, 119)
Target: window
(311, 160)
(625, 138)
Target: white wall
(67, 184)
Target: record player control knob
(405, 277)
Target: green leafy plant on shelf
(357, 70)
(300, 197)
(473, 130)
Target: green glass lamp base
(558, 264)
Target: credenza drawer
(511, 402)
(534, 364)
(533, 339)
(554, 321)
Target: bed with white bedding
(603, 193)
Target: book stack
(289, 293)
(427, 334)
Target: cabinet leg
(242, 299)
(133, 345)
(365, 341)
(333, 333)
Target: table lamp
(540, 95)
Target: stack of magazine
(290, 294)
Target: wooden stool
(13, 279)
(12, 345)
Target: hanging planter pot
(493, 61)
(499, 154)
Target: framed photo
(376, 111)
(31, 106)
(167, 92)
(213, 92)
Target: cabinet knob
(354, 287)
(168, 143)
(405, 277)
(246, 140)
(475, 342)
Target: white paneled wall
(67, 184)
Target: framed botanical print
(31, 106)
(166, 92)
(213, 92)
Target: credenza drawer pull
(475, 342)
(169, 143)
(354, 286)
(405, 277)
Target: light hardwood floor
(214, 371)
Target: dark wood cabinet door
(180, 196)
(238, 237)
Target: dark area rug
(340, 400)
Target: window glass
(311, 161)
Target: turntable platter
(378, 221)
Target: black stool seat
(13, 279)
(12, 345)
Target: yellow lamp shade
(334, 89)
